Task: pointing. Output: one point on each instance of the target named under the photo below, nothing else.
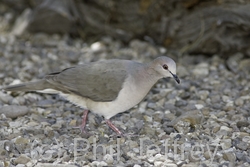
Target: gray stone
(203, 94)
(193, 117)
(201, 69)
(180, 103)
(242, 145)
(242, 124)
(6, 98)
(22, 159)
(14, 111)
(39, 164)
(233, 62)
(226, 144)
(239, 155)
(167, 129)
(244, 65)
(108, 159)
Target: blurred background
(187, 26)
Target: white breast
(128, 97)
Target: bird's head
(165, 67)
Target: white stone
(199, 106)
(201, 69)
(158, 163)
(137, 165)
(108, 158)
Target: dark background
(188, 26)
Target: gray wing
(98, 81)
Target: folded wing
(99, 81)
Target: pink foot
(113, 127)
(84, 120)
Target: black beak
(175, 77)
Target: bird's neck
(147, 76)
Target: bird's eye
(165, 66)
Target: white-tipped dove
(105, 87)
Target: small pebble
(22, 159)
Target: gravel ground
(204, 121)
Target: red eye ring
(165, 66)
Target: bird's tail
(29, 86)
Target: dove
(106, 87)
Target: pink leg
(84, 120)
(113, 127)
